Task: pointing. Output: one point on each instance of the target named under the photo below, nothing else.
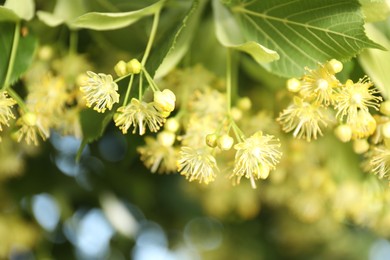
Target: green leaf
(112, 21)
(376, 63)
(229, 35)
(304, 32)
(24, 9)
(24, 54)
(182, 38)
(94, 123)
(65, 11)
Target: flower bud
(386, 130)
(334, 66)
(45, 53)
(211, 140)
(343, 133)
(385, 108)
(293, 85)
(244, 104)
(165, 100)
(236, 113)
(360, 146)
(225, 142)
(172, 125)
(166, 138)
(134, 66)
(121, 68)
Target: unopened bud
(45, 53)
(293, 85)
(334, 66)
(385, 108)
(244, 104)
(165, 100)
(134, 66)
(236, 113)
(343, 133)
(225, 142)
(121, 68)
(211, 140)
(172, 125)
(386, 130)
(360, 146)
(166, 138)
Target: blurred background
(319, 204)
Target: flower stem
(151, 38)
(140, 92)
(73, 41)
(228, 80)
(14, 48)
(150, 80)
(18, 99)
(128, 90)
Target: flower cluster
(320, 98)
(101, 91)
(198, 141)
(51, 102)
(354, 106)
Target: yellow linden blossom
(6, 104)
(197, 164)
(31, 125)
(101, 90)
(141, 114)
(363, 125)
(354, 97)
(255, 157)
(379, 161)
(49, 94)
(303, 118)
(158, 154)
(319, 85)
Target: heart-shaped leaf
(304, 32)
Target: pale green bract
(303, 32)
(65, 11)
(229, 35)
(15, 10)
(111, 21)
(377, 62)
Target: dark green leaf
(304, 32)
(176, 42)
(94, 123)
(181, 40)
(24, 55)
